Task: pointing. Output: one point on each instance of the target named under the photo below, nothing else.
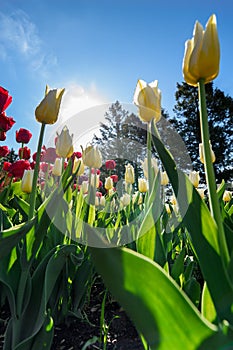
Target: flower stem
(209, 173)
(36, 172)
(149, 168)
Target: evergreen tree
(220, 114)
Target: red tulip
(114, 178)
(17, 168)
(23, 135)
(49, 155)
(77, 155)
(98, 194)
(4, 151)
(45, 167)
(2, 135)
(24, 152)
(110, 164)
(6, 166)
(6, 123)
(95, 171)
(5, 99)
(33, 163)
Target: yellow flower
(92, 157)
(202, 54)
(226, 196)
(26, 183)
(102, 201)
(154, 164)
(164, 178)
(129, 174)
(201, 192)
(142, 185)
(147, 98)
(125, 199)
(201, 153)
(108, 183)
(78, 165)
(57, 168)
(194, 178)
(47, 111)
(64, 143)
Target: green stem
(149, 168)
(36, 172)
(209, 173)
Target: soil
(121, 334)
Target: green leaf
(203, 231)
(159, 309)
(207, 306)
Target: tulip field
(163, 248)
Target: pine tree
(220, 113)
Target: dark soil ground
(121, 333)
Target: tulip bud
(47, 111)
(142, 185)
(129, 174)
(102, 201)
(78, 165)
(95, 180)
(92, 157)
(26, 183)
(202, 54)
(226, 196)
(84, 186)
(147, 98)
(64, 144)
(57, 168)
(125, 199)
(164, 178)
(108, 183)
(194, 178)
(201, 192)
(201, 153)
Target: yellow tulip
(202, 54)
(64, 143)
(142, 185)
(164, 178)
(226, 196)
(147, 98)
(78, 165)
(57, 168)
(108, 183)
(92, 157)
(26, 183)
(48, 109)
(194, 178)
(129, 174)
(201, 153)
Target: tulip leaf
(161, 312)
(204, 233)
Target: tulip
(114, 178)
(26, 184)
(202, 54)
(102, 201)
(226, 196)
(108, 183)
(147, 98)
(64, 144)
(92, 157)
(48, 109)
(142, 185)
(129, 174)
(2, 135)
(154, 164)
(24, 152)
(78, 165)
(194, 178)
(6, 123)
(125, 199)
(17, 168)
(23, 135)
(201, 192)
(6, 166)
(201, 153)
(5, 99)
(84, 186)
(57, 168)
(49, 155)
(4, 151)
(95, 180)
(164, 178)
(110, 164)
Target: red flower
(100, 183)
(24, 153)
(45, 167)
(23, 135)
(6, 123)
(4, 151)
(18, 167)
(95, 171)
(77, 155)
(6, 166)
(110, 164)
(5, 99)
(2, 135)
(49, 155)
(114, 178)
(98, 194)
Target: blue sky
(98, 49)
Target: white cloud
(18, 35)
